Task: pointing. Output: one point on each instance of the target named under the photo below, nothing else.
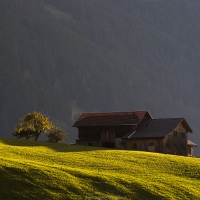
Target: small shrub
(56, 135)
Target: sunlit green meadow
(42, 170)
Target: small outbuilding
(190, 146)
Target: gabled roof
(157, 128)
(111, 118)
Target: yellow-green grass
(42, 170)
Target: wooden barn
(135, 130)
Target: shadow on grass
(118, 188)
(18, 184)
(59, 147)
(30, 184)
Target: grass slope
(40, 170)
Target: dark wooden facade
(104, 136)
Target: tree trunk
(37, 135)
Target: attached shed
(190, 146)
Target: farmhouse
(135, 130)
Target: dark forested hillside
(67, 56)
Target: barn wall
(176, 142)
(152, 145)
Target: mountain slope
(65, 57)
(41, 170)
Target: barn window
(108, 136)
(182, 135)
(151, 143)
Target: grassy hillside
(40, 170)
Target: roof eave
(89, 125)
(133, 138)
(187, 125)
